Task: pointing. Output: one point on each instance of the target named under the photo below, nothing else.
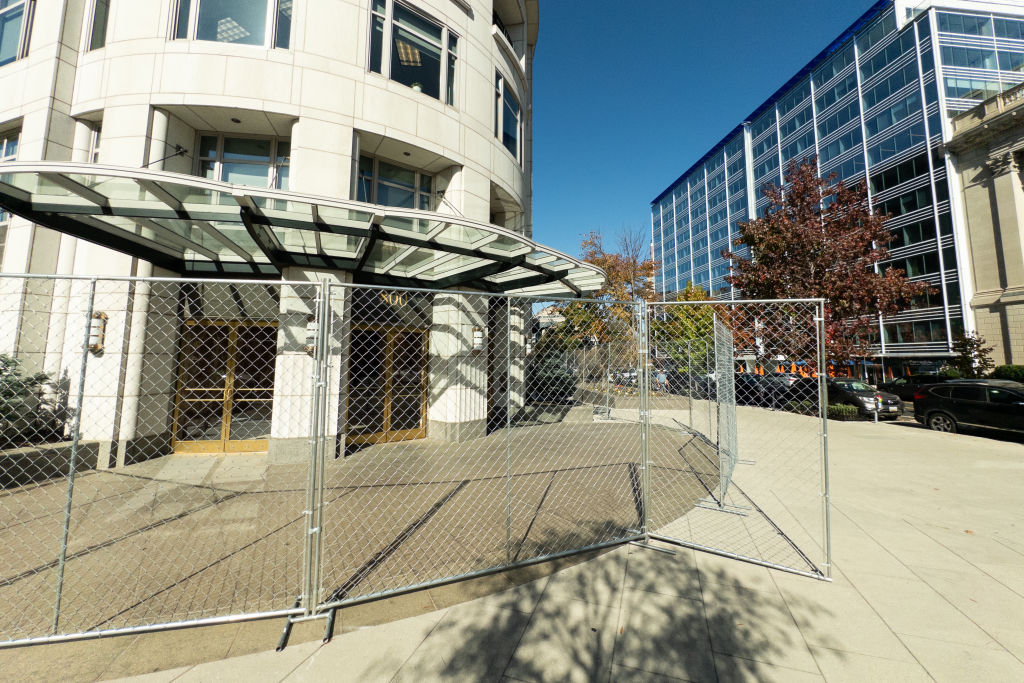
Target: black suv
(906, 387)
(989, 403)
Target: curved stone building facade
(362, 142)
(417, 103)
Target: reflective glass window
(895, 143)
(98, 34)
(763, 123)
(971, 88)
(969, 57)
(383, 182)
(842, 59)
(876, 32)
(888, 55)
(891, 84)
(242, 22)
(252, 161)
(968, 24)
(1009, 28)
(838, 118)
(836, 92)
(412, 49)
(894, 114)
(840, 145)
(796, 121)
(1011, 61)
(232, 21)
(12, 16)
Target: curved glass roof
(200, 227)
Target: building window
(508, 119)
(253, 161)
(14, 28)
(100, 15)
(243, 22)
(381, 182)
(8, 152)
(94, 143)
(413, 50)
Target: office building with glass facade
(876, 105)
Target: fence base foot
(282, 643)
(329, 627)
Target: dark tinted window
(969, 393)
(942, 391)
(1004, 397)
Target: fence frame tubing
(73, 459)
(826, 511)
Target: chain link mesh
(736, 430)
(177, 450)
(166, 395)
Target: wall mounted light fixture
(478, 339)
(97, 331)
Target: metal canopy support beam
(260, 238)
(79, 189)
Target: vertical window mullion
(26, 27)
(193, 19)
(270, 40)
(385, 52)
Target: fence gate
(182, 451)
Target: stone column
(457, 384)
(295, 365)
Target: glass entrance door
(225, 386)
(387, 385)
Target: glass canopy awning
(199, 227)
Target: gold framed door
(387, 385)
(225, 391)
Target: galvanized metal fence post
(823, 415)
(508, 429)
(644, 335)
(73, 460)
(608, 382)
(317, 446)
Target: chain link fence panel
(737, 430)
(475, 438)
(158, 467)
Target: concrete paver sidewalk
(929, 585)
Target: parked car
(843, 391)
(906, 387)
(987, 403)
(771, 390)
(751, 389)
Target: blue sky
(627, 95)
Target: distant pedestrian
(662, 381)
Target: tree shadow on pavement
(630, 614)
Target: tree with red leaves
(818, 238)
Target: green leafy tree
(973, 358)
(684, 334)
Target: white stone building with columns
(361, 142)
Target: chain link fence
(185, 451)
